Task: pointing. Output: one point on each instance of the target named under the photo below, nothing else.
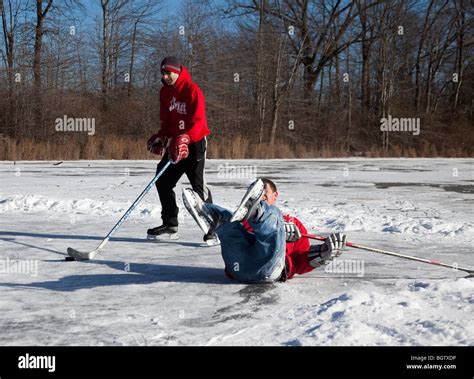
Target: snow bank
(413, 313)
(42, 204)
(344, 217)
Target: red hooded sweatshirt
(297, 261)
(183, 109)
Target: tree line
(282, 78)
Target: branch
(50, 2)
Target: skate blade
(239, 214)
(190, 203)
(213, 243)
(163, 237)
(242, 210)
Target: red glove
(178, 148)
(156, 144)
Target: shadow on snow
(83, 237)
(132, 273)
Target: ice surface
(139, 292)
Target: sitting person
(258, 243)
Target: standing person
(182, 139)
(258, 243)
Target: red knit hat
(171, 64)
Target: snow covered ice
(140, 292)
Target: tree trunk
(321, 88)
(309, 77)
(9, 41)
(365, 48)
(38, 104)
(276, 94)
(418, 56)
(130, 71)
(349, 89)
(105, 51)
(338, 80)
(461, 20)
(260, 81)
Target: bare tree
(10, 26)
(259, 64)
(9, 29)
(429, 20)
(109, 44)
(40, 17)
(259, 83)
(367, 39)
(464, 41)
(443, 36)
(281, 87)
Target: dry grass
(238, 148)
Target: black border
(240, 362)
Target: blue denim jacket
(258, 256)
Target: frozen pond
(139, 292)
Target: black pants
(193, 167)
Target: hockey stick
(432, 262)
(81, 256)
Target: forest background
(281, 78)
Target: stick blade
(79, 255)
